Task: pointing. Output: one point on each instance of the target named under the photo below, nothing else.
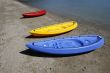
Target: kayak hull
(54, 29)
(78, 45)
(34, 14)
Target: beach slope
(16, 58)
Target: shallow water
(92, 10)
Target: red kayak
(35, 14)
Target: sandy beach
(16, 58)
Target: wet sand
(16, 58)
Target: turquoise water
(93, 10)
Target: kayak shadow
(26, 17)
(40, 54)
(31, 36)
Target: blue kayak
(68, 45)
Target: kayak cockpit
(67, 42)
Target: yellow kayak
(54, 29)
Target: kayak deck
(68, 45)
(67, 42)
(54, 29)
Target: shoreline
(16, 58)
(78, 19)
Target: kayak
(54, 29)
(35, 14)
(68, 45)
